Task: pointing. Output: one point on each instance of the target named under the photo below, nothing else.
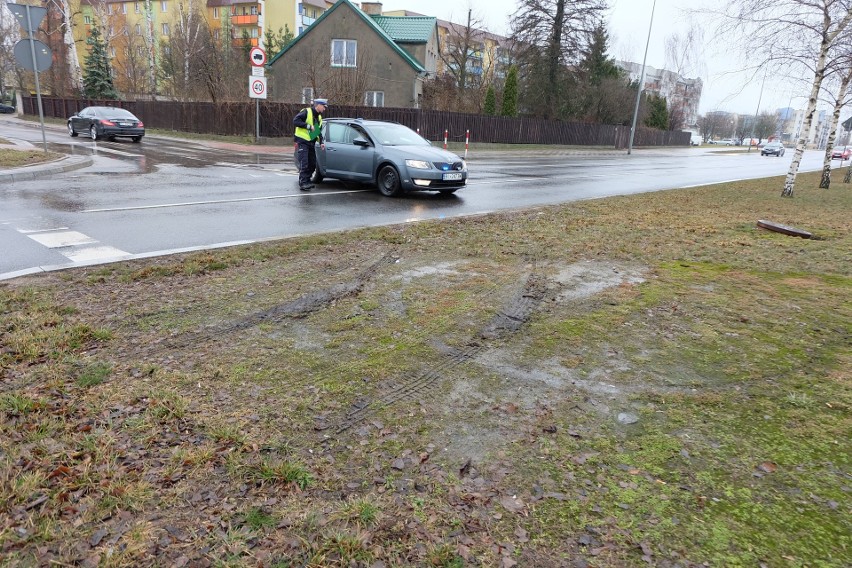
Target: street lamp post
(754, 122)
(641, 80)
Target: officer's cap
(323, 102)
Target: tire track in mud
(293, 309)
(506, 322)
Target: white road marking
(28, 231)
(61, 239)
(215, 201)
(73, 245)
(88, 254)
(105, 150)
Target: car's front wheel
(71, 131)
(388, 181)
(93, 133)
(318, 177)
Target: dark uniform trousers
(307, 158)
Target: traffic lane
(131, 221)
(155, 149)
(176, 216)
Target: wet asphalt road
(169, 195)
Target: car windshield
(115, 113)
(396, 135)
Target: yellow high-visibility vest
(304, 133)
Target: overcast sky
(728, 82)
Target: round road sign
(257, 56)
(257, 87)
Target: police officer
(308, 129)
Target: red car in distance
(841, 153)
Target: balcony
(244, 42)
(244, 20)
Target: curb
(62, 165)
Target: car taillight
(107, 123)
(140, 124)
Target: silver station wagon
(392, 156)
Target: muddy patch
(585, 279)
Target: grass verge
(18, 158)
(639, 380)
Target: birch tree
(792, 34)
(840, 78)
(72, 61)
(9, 36)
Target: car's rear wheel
(71, 131)
(388, 181)
(93, 133)
(318, 177)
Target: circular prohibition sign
(258, 87)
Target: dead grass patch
(644, 379)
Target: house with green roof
(355, 58)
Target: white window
(163, 6)
(138, 29)
(167, 50)
(216, 34)
(109, 8)
(124, 7)
(140, 50)
(87, 20)
(215, 13)
(165, 29)
(253, 10)
(374, 99)
(136, 7)
(307, 95)
(112, 52)
(343, 52)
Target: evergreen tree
(509, 107)
(97, 79)
(490, 107)
(596, 66)
(658, 115)
(274, 41)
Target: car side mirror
(359, 141)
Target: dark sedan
(390, 155)
(6, 109)
(106, 122)
(772, 149)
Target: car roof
(367, 122)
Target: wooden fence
(276, 120)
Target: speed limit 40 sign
(257, 87)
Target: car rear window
(116, 113)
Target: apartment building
(489, 55)
(680, 92)
(137, 32)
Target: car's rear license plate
(452, 176)
(124, 124)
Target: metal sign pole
(257, 119)
(35, 71)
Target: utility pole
(757, 110)
(641, 80)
